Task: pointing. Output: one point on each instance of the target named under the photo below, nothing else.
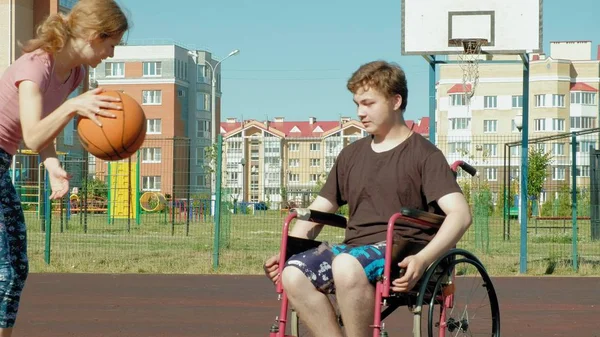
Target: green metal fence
(154, 213)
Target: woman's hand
(59, 178)
(92, 104)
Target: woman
(34, 109)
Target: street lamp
(213, 94)
(518, 120)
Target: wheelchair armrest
(325, 218)
(432, 218)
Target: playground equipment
(153, 202)
(123, 190)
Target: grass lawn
(162, 245)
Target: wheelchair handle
(468, 168)
(325, 218)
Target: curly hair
(387, 78)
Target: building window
(490, 126)
(151, 155)
(517, 101)
(558, 101)
(152, 68)
(490, 102)
(585, 98)
(294, 162)
(490, 150)
(153, 126)
(583, 171)
(539, 124)
(558, 124)
(315, 146)
(583, 122)
(558, 149)
(584, 146)
(203, 128)
(540, 100)
(315, 162)
(294, 147)
(152, 97)
(558, 173)
(457, 100)
(540, 147)
(200, 158)
(151, 183)
(294, 177)
(459, 147)
(460, 123)
(114, 69)
(491, 173)
(202, 101)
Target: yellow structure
(123, 190)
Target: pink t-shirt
(37, 67)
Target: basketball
(118, 138)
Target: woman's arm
(38, 132)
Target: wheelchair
(438, 289)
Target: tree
(210, 156)
(537, 170)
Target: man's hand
(271, 268)
(414, 267)
(59, 179)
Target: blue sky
(296, 56)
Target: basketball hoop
(469, 63)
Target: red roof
(422, 128)
(228, 127)
(304, 129)
(582, 87)
(458, 88)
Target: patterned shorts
(315, 263)
(14, 265)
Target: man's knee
(348, 272)
(293, 279)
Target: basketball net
(469, 63)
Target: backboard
(509, 26)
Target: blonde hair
(88, 19)
(386, 77)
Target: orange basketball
(118, 138)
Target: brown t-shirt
(375, 185)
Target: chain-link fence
(155, 212)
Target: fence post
(524, 163)
(574, 196)
(48, 218)
(218, 202)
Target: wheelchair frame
(441, 281)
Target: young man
(376, 176)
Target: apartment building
(279, 161)
(173, 85)
(563, 98)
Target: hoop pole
(524, 165)
(432, 101)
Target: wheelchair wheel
(471, 307)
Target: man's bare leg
(313, 307)
(6, 332)
(355, 295)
